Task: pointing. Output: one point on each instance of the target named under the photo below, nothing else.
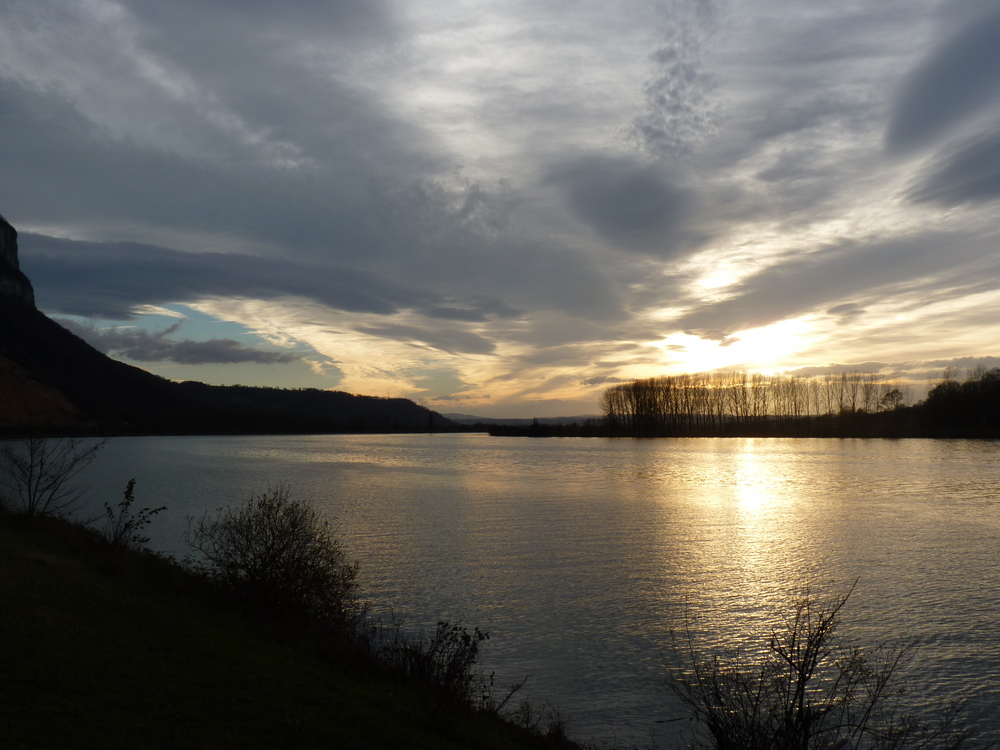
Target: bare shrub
(529, 715)
(280, 558)
(123, 527)
(445, 661)
(806, 689)
(37, 474)
(494, 698)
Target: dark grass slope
(103, 648)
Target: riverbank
(120, 649)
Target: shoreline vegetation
(109, 645)
(744, 404)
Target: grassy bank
(111, 648)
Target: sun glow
(760, 349)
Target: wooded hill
(52, 381)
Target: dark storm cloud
(970, 173)
(144, 346)
(957, 80)
(635, 206)
(110, 280)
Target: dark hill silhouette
(53, 381)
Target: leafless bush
(806, 689)
(123, 526)
(37, 474)
(529, 715)
(445, 661)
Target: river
(580, 557)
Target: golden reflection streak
(745, 536)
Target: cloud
(355, 209)
(937, 366)
(447, 340)
(909, 370)
(839, 272)
(847, 312)
(680, 113)
(112, 280)
(958, 79)
(635, 206)
(526, 197)
(144, 346)
(351, 20)
(602, 380)
(969, 173)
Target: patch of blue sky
(311, 370)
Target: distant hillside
(53, 381)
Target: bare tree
(806, 689)
(37, 474)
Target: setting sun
(758, 349)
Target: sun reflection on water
(583, 556)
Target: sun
(765, 347)
(760, 349)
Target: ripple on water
(582, 556)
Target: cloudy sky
(501, 206)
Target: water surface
(580, 556)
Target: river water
(581, 556)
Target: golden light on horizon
(760, 349)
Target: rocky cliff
(14, 285)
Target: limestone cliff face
(14, 285)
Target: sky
(502, 208)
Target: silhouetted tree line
(537, 428)
(742, 403)
(969, 408)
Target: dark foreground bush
(123, 526)
(279, 558)
(446, 662)
(807, 689)
(446, 665)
